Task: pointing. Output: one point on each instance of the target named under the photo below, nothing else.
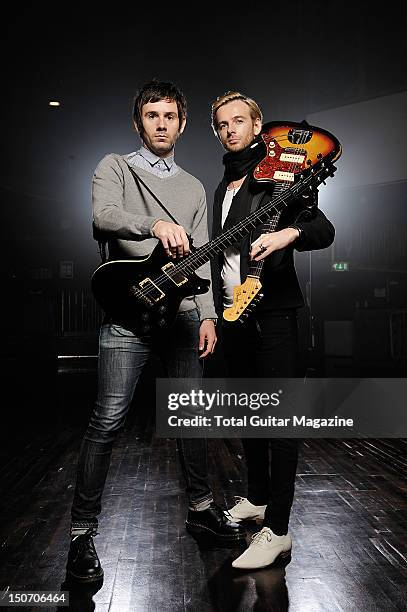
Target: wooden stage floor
(348, 521)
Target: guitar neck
(256, 267)
(274, 206)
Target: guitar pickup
(284, 176)
(290, 157)
(154, 294)
(176, 277)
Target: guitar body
(292, 148)
(144, 293)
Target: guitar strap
(102, 242)
(165, 209)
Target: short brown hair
(155, 91)
(229, 96)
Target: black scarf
(240, 163)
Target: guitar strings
(200, 256)
(229, 237)
(224, 240)
(257, 267)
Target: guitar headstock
(314, 176)
(244, 296)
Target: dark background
(331, 63)
(341, 66)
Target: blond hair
(229, 96)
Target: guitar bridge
(177, 278)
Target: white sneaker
(264, 550)
(245, 510)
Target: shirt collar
(154, 159)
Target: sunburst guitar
(292, 148)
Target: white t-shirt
(231, 257)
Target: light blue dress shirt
(163, 167)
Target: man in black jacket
(267, 344)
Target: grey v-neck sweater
(128, 212)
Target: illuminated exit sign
(340, 266)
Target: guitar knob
(162, 309)
(161, 322)
(145, 329)
(145, 316)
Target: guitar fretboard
(274, 206)
(256, 267)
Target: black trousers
(267, 346)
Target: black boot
(83, 561)
(212, 524)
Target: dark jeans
(264, 347)
(122, 356)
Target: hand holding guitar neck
(273, 241)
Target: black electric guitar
(146, 292)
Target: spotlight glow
(54, 103)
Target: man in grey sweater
(133, 223)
